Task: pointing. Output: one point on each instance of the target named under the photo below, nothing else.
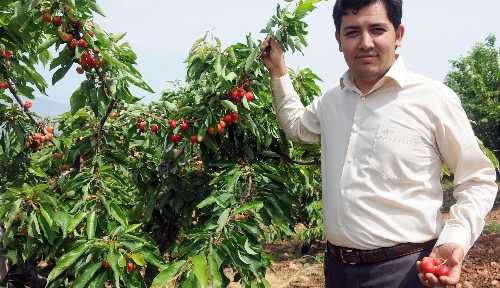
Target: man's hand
(272, 56)
(453, 254)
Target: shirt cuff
(456, 235)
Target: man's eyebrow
(379, 25)
(351, 27)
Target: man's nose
(366, 42)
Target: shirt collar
(397, 72)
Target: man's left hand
(453, 254)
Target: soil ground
(481, 266)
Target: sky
(162, 32)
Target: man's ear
(399, 35)
(337, 36)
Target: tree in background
(476, 78)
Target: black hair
(394, 10)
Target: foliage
(476, 79)
(123, 195)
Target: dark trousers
(397, 273)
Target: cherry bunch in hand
(436, 266)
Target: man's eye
(351, 33)
(379, 30)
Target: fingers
(265, 43)
(265, 49)
(426, 281)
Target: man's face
(368, 40)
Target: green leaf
(86, 275)
(221, 222)
(305, 7)
(91, 225)
(229, 105)
(248, 249)
(113, 257)
(96, 8)
(116, 37)
(59, 74)
(200, 268)
(245, 103)
(230, 76)
(255, 205)
(66, 261)
(37, 171)
(139, 83)
(170, 106)
(167, 274)
(118, 214)
(62, 219)
(215, 274)
(138, 259)
(75, 220)
(207, 201)
(98, 281)
(251, 59)
(49, 42)
(218, 65)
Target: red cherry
(82, 43)
(49, 137)
(249, 96)
(4, 85)
(37, 137)
(73, 43)
(154, 128)
(172, 124)
(220, 129)
(233, 93)
(194, 139)
(50, 130)
(66, 37)
(211, 131)
(142, 126)
(105, 264)
(228, 119)
(7, 54)
(222, 124)
(184, 126)
(442, 270)
(234, 117)
(130, 267)
(240, 91)
(46, 17)
(427, 267)
(27, 104)
(437, 261)
(175, 138)
(57, 20)
(80, 70)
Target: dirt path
(481, 267)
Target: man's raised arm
(298, 122)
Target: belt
(356, 256)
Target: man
(385, 133)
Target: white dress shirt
(381, 160)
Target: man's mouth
(366, 56)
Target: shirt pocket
(400, 154)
